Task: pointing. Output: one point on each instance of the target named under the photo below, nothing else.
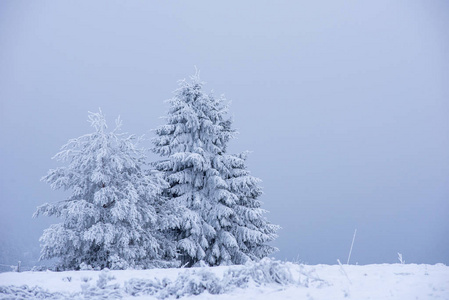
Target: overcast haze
(344, 105)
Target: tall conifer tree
(210, 193)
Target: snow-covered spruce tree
(109, 220)
(206, 195)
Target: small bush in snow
(270, 271)
(102, 290)
(25, 292)
(139, 287)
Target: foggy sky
(344, 105)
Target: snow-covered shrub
(104, 278)
(102, 290)
(194, 283)
(269, 271)
(25, 292)
(140, 287)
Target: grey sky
(345, 105)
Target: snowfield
(268, 279)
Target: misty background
(344, 105)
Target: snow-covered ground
(266, 280)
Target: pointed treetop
(196, 77)
(97, 120)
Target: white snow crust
(266, 280)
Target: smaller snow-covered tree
(109, 220)
(251, 229)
